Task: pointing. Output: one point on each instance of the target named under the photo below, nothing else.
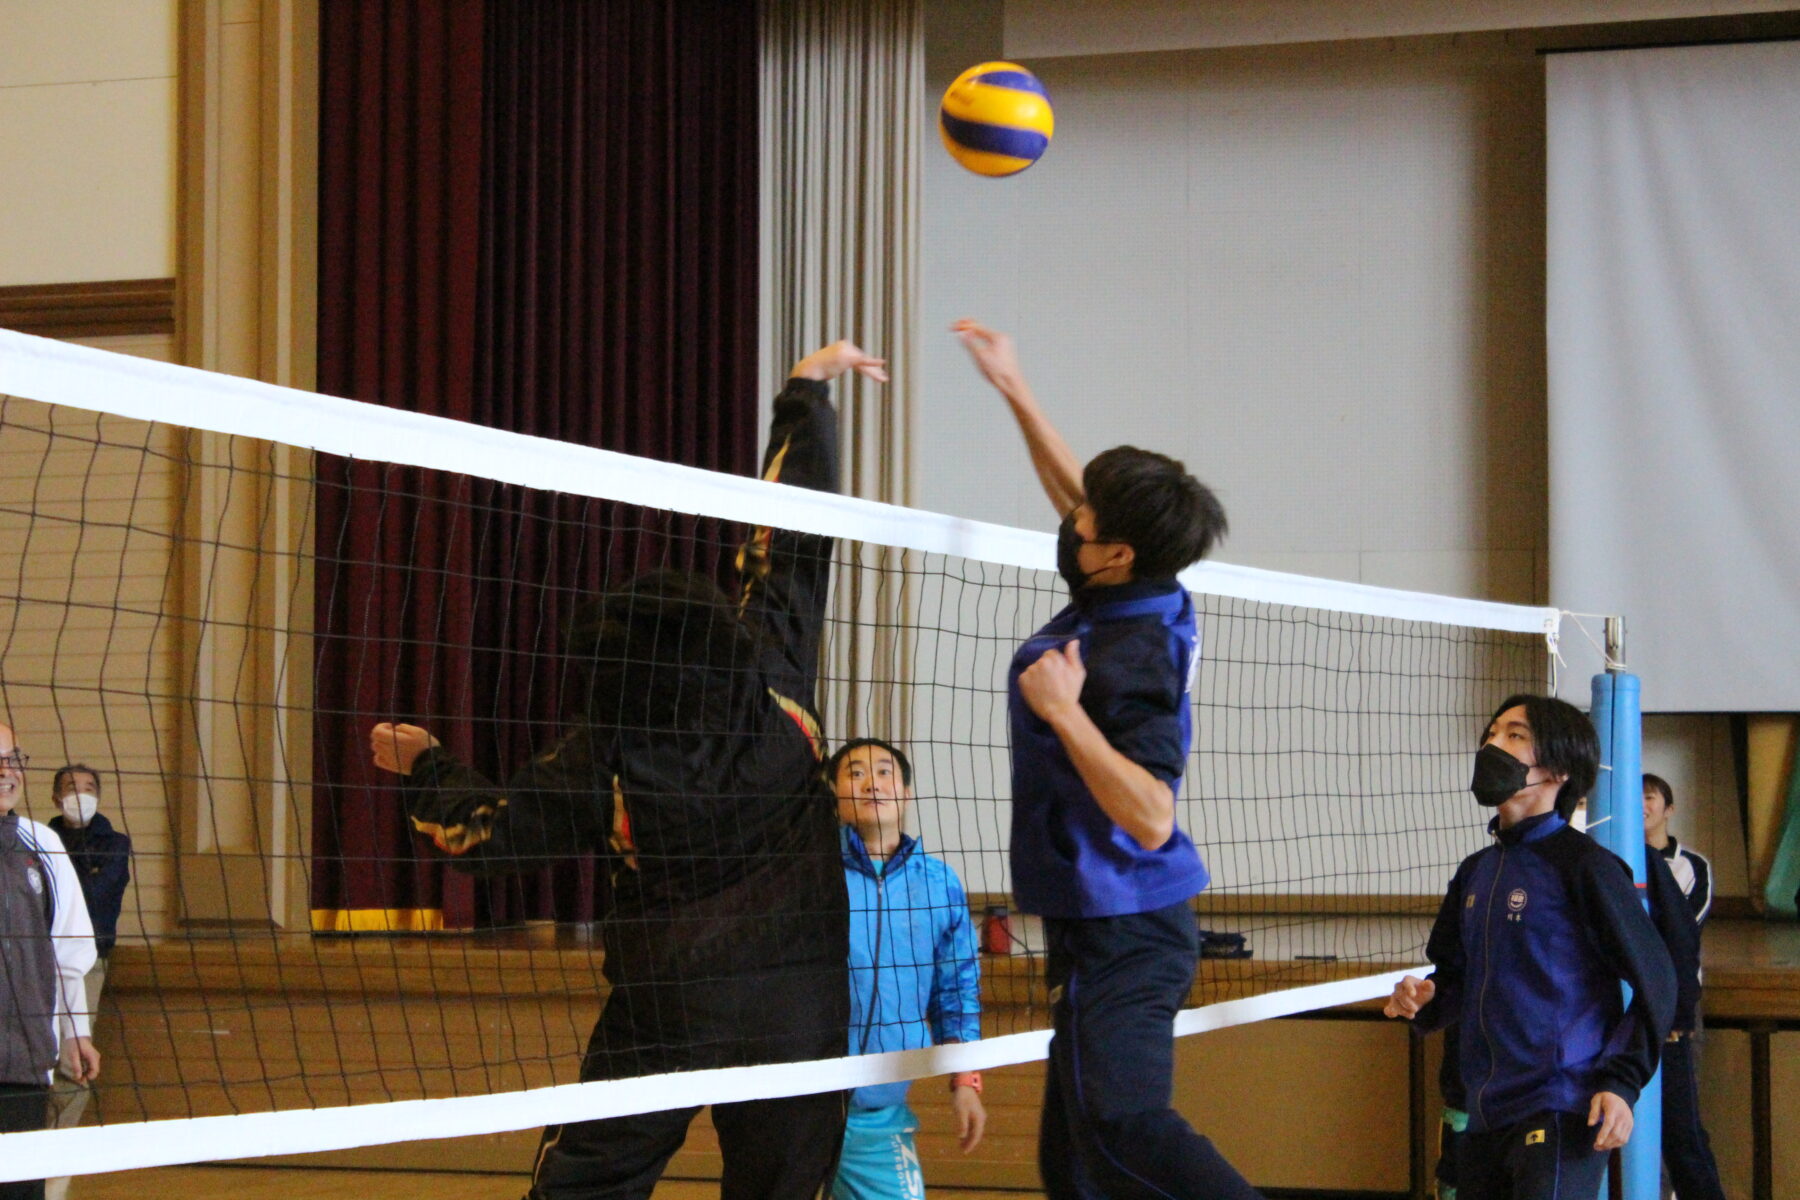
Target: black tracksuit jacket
(720, 840)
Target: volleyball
(996, 119)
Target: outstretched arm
(998, 361)
(785, 575)
(558, 805)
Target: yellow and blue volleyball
(996, 119)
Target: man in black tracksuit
(1687, 1151)
(1534, 937)
(694, 766)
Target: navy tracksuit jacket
(1533, 938)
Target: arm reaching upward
(785, 575)
(998, 361)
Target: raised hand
(828, 362)
(994, 354)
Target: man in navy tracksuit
(1534, 937)
(1101, 725)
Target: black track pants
(1108, 1130)
(1550, 1156)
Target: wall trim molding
(104, 308)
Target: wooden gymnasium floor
(1753, 975)
(283, 1183)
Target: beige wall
(1047, 27)
(87, 136)
(94, 102)
(1314, 273)
(87, 505)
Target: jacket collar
(1672, 849)
(1531, 829)
(856, 854)
(1089, 598)
(98, 824)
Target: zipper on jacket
(1487, 973)
(874, 1012)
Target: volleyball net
(214, 590)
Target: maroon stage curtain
(540, 217)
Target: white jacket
(71, 930)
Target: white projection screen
(1674, 363)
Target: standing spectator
(915, 980)
(1689, 866)
(46, 948)
(102, 859)
(1687, 1152)
(1535, 934)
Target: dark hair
(1565, 741)
(63, 772)
(664, 651)
(1661, 785)
(843, 751)
(1150, 502)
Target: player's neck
(881, 845)
(1109, 577)
(1658, 840)
(1525, 806)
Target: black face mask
(1498, 777)
(1068, 554)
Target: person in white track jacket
(46, 948)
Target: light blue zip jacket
(915, 980)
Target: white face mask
(80, 807)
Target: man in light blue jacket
(914, 977)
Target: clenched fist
(1410, 995)
(396, 747)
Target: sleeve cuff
(1628, 1092)
(814, 388)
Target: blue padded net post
(1616, 816)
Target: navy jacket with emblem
(1139, 643)
(1535, 935)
